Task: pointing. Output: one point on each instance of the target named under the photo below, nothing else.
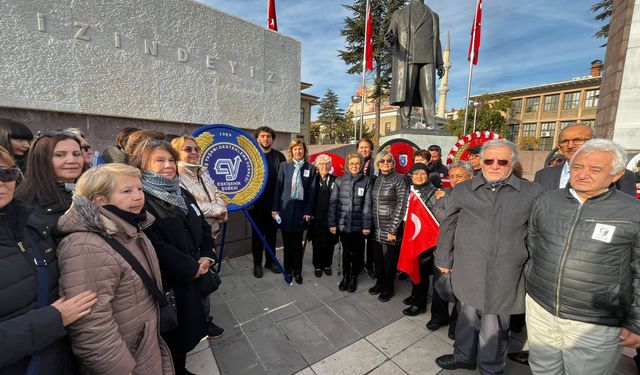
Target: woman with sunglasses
(16, 138)
(389, 203)
(293, 202)
(182, 240)
(32, 317)
(55, 163)
(196, 181)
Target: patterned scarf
(297, 191)
(165, 189)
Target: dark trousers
(481, 338)
(385, 260)
(268, 228)
(352, 253)
(419, 291)
(292, 252)
(369, 251)
(419, 77)
(322, 256)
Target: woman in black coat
(293, 202)
(32, 323)
(182, 240)
(389, 205)
(350, 214)
(323, 240)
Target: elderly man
(583, 280)
(482, 242)
(569, 142)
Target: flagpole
(364, 69)
(471, 58)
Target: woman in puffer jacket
(121, 334)
(350, 216)
(389, 206)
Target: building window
(564, 124)
(589, 123)
(302, 115)
(387, 127)
(551, 103)
(547, 131)
(571, 100)
(512, 132)
(591, 98)
(532, 104)
(516, 106)
(529, 130)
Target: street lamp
(475, 106)
(355, 100)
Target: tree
(329, 115)
(314, 133)
(352, 55)
(491, 116)
(604, 10)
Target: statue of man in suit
(414, 37)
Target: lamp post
(475, 106)
(355, 100)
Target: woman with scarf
(293, 202)
(196, 181)
(182, 240)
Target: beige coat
(194, 179)
(121, 334)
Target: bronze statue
(414, 36)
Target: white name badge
(603, 232)
(306, 173)
(360, 192)
(195, 208)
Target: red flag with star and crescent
(474, 44)
(272, 22)
(420, 234)
(368, 40)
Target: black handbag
(209, 282)
(166, 300)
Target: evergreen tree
(353, 31)
(329, 115)
(604, 10)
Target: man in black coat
(571, 139)
(261, 210)
(365, 149)
(435, 164)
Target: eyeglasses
(53, 133)
(86, 148)
(10, 174)
(387, 161)
(356, 163)
(576, 141)
(501, 162)
(190, 149)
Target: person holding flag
(420, 236)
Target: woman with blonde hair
(293, 202)
(121, 334)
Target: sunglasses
(387, 161)
(501, 162)
(86, 148)
(190, 149)
(10, 174)
(53, 133)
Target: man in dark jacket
(482, 242)
(435, 163)
(365, 149)
(570, 140)
(261, 210)
(583, 278)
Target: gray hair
(495, 143)
(604, 145)
(321, 159)
(380, 155)
(462, 164)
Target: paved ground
(274, 328)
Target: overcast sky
(523, 43)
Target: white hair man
(583, 277)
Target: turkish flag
(474, 44)
(368, 40)
(273, 22)
(420, 234)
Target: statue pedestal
(424, 138)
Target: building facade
(306, 102)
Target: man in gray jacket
(583, 278)
(482, 244)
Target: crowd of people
(107, 269)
